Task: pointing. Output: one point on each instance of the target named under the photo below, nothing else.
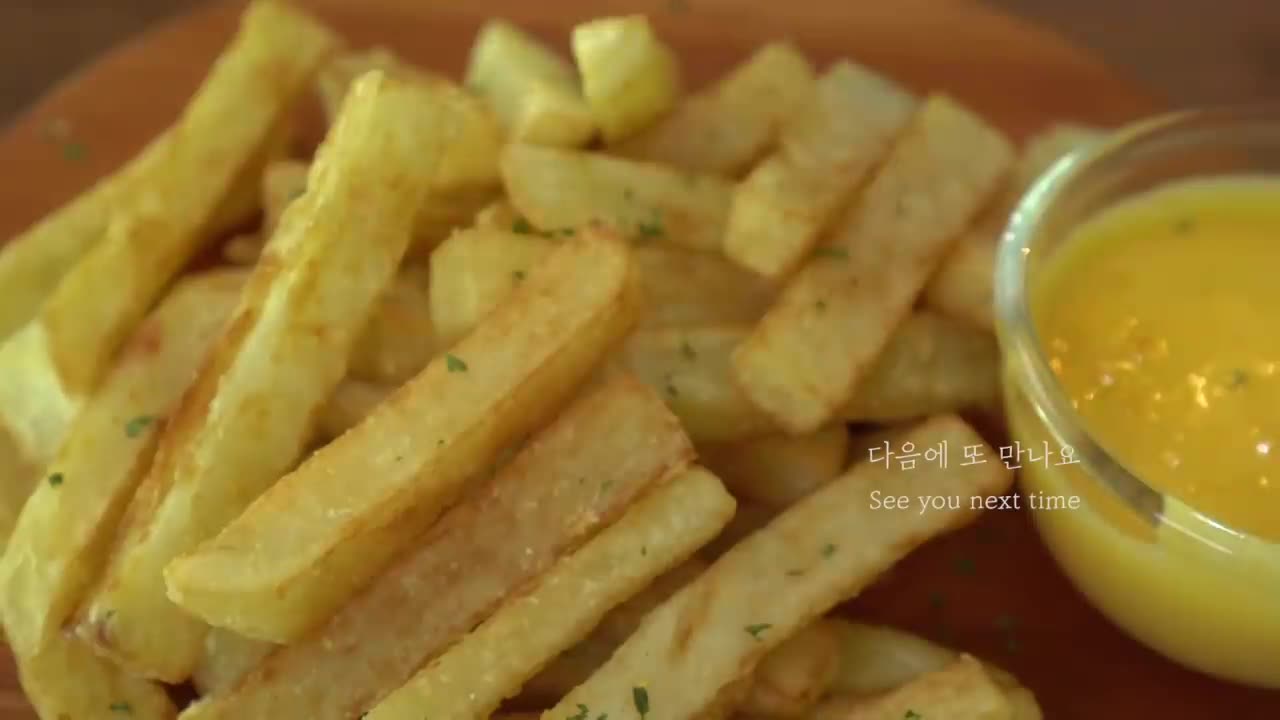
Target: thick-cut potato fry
(350, 403)
(305, 546)
(49, 367)
(66, 680)
(806, 357)
(226, 660)
(475, 270)
(399, 337)
(932, 364)
(724, 129)
(961, 691)
(829, 147)
(684, 288)
(471, 679)
(793, 677)
(574, 478)
(690, 367)
(822, 550)
(250, 413)
(629, 77)
(533, 90)
(779, 470)
(962, 286)
(557, 189)
(64, 534)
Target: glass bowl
(1186, 585)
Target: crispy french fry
(490, 664)
(820, 551)
(931, 364)
(962, 286)
(961, 691)
(474, 271)
(779, 470)
(249, 414)
(557, 189)
(629, 76)
(533, 90)
(726, 128)
(829, 147)
(64, 534)
(685, 288)
(399, 337)
(66, 680)
(793, 677)
(49, 367)
(805, 359)
(497, 540)
(304, 547)
(350, 403)
(690, 367)
(227, 659)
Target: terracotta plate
(991, 589)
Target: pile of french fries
(530, 396)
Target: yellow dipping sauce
(1160, 318)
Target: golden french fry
(283, 182)
(49, 367)
(931, 364)
(822, 550)
(684, 288)
(779, 470)
(793, 677)
(471, 679)
(226, 660)
(629, 76)
(805, 359)
(66, 680)
(399, 337)
(832, 143)
(577, 476)
(533, 90)
(65, 532)
(726, 128)
(249, 414)
(305, 546)
(557, 189)
(961, 691)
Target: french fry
(66, 679)
(726, 128)
(249, 414)
(931, 364)
(805, 359)
(690, 368)
(399, 337)
(962, 286)
(350, 403)
(497, 540)
(556, 189)
(961, 691)
(827, 149)
(49, 367)
(283, 182)
(684, 288)
(305, 546)
(337, 76)
(533, 90)
(629, 77)
(822, 550)
(227, 659)
(793, 677)
(779, 470)
(64, 534)
(472, 678)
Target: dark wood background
(1190, 51)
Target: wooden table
(1190, 51)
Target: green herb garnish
(136, 426)
(454, 363)
(832, 252)
(821, 305)
(828, 550)
(912, 715)
(1184, 226)
(649, 230)
(55, 479)
(755, 630)
(517, 275)
(687, 350)
(121, 707)
(581, 714)
(640, 697)
(521, 227)
(1239, 378)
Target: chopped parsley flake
(640, 697)
(517, 275)
(912, 715)
(649, 230)
(672, 392)
(687, 350)
(55, 479)
(832, 252)
(821, 305)
(644, 550)
(136, 426)
(454, 363)
(828, 550)
(1184, 226)
(121, 707)
(795, 573)
(755, 630)
(521, 227)
(1239, 378)
(569, 232)
(582, 713)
